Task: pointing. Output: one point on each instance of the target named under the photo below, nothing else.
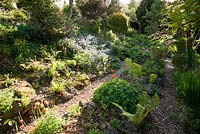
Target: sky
(124, 1)
(60, 2)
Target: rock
(2, 84)
(150, 90)
(25, 92)
(90, 105)
(92, 77)
(159, 82)
(110, 130)
(72, 90)
(65, 96)
(6, 63)
(127, 127)
(80, 103)
(19, 84)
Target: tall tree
(153, 17)
(44, 15)
(144, 7)
(92, 9)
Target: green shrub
(46, 19)
(146, 105)
(79, 81)
(153, 16)
(133, 68)
(56, 65)
(56, 86)
(116, 50)
(95, 131)
(71, 63)
(152, 67)
(6, 100)
(118, 22)
(82, 60)
(33, 66)
(111, 36)
(191, 120)
(138, 54)
(152, 78)
(92, 9)
(158, 52)
(119, 91)
(115, 123)
(90, 26)
(190, 89)
(135, 53)
(74, 110)
(143, 11)
(115, 62)
(50, 123)
(180, 56)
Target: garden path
(85, 95)
(167, 117)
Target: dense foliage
(189, 88)
(149, 15)
(119, 91)
(48, 54)
(92, 8)
(45, 17)
(11, 17)
(141, 12)
(182, 18)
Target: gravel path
(86, 94)
(166, 118)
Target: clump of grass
(56, 65)
(95, 131)
(56, 86)
(50, 123)
(74, 110)
(115, 123)
(190, 89)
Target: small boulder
(25, 93)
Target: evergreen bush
(118, 22)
